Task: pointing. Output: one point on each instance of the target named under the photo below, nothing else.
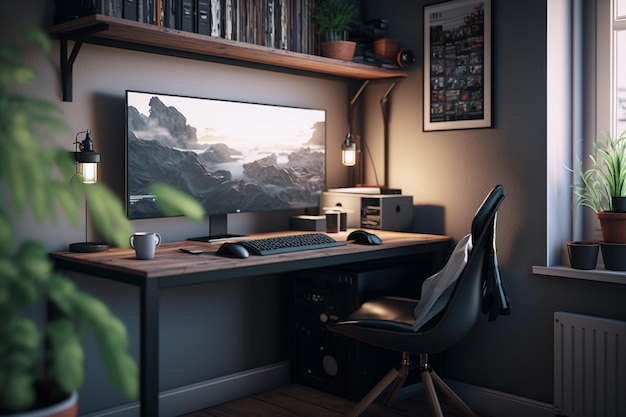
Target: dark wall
(449, 169)
(455, 169)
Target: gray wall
(452, 169)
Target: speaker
(334, 363)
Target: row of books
(282, 24)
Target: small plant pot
(613, 226)
(386, 47)
(619, 204)
(614, 256)
(343, 50)
(583, 255)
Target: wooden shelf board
(161, 37)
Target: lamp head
(86, 160)
(348, 151)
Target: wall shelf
(123, 33)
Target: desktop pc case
(334, 363)
(373, 211)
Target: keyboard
(289, 243)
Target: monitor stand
(218, 226)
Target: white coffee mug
(145, 244)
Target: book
(130, 10)
(187, 18)
(203, 21)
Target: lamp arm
(353, 102)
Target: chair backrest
(464, 306)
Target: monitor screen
(230, 156)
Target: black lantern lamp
(348, 151)
(86, 161)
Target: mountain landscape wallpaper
(230, 156)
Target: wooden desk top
(174, 268)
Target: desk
(171, 268)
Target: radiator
(589, 366)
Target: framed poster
(457, 65)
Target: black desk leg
(149, 349)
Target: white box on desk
(395, 214)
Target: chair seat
(386, 313)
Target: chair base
(397, 377)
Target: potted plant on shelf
(41, 364)
(334, 19)
(602, 188)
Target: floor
(300, 401)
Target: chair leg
(400, 380)
(431, 394)
(430, 379)
(458, 402)
(374, 393)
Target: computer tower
(335, 363)
(373, 211)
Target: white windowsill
(601, 275)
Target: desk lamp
(86, 161)
(348, 151)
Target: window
(610, 74)
(586, 95)
(619, 52)
(619, 64)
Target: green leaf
(61, 292)
(24, 338)
(65, 354)
(39, 37)
(173, 202)
(7, 234)
(33, 260)
(19, 393)
(112, 339)
(108, 214)
(68, 200)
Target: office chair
(390, 322)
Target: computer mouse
(232, 250)
(363, 237)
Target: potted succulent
(602, 188)
(334, 19)
(42, 363)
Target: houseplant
(602, 187)
(334, 19)
(42, 363)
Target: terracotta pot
(65, 408)
(583, 255)
(613, 226)
(386, 47)
(343, 50)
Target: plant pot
(64, 408)
(343, 50)
(583, 255)
(386, 47)
(614, 256)
(613, 226)
(619, 204)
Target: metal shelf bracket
(67, 62)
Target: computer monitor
(231, 156)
